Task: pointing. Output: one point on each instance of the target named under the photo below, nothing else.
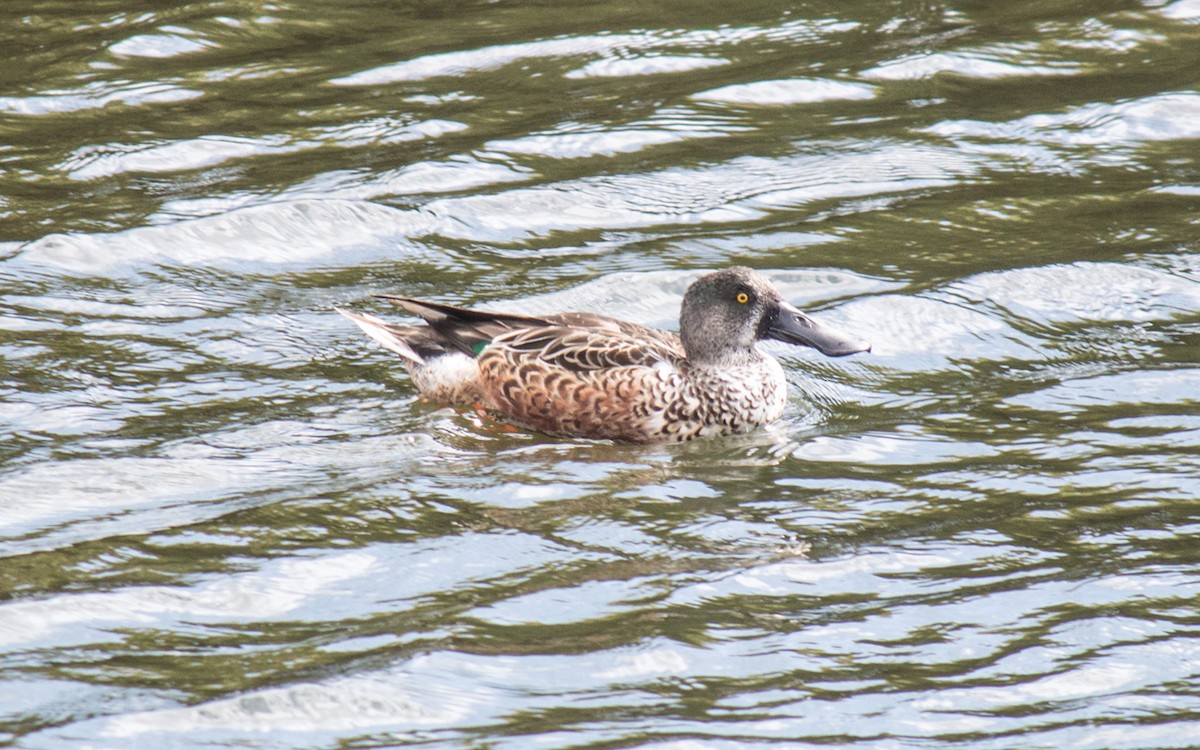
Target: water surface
(226, 520)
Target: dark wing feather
(466, 330)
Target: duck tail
(393, 338)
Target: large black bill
(794, 327)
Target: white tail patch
(452, 379)
(380, 331)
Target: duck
(587, 375)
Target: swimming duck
(591, 376)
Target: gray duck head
(724, 313)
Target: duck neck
(723, 358)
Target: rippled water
(227, 521)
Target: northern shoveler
(592, 376)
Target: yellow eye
(743, 297)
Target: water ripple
(787, 91)
(97, 96)
(1161, 117)
(463, 62)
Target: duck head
(726, 312)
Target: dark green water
(227, 522)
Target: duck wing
(654, 338)
(573, 340)
(580, 349)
